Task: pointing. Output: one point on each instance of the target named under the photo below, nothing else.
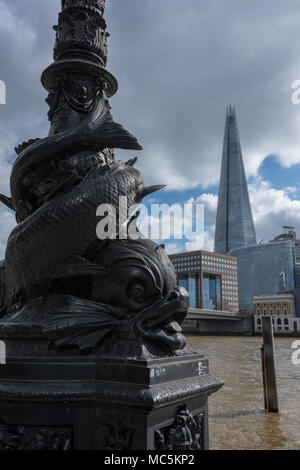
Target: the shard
(234, 224)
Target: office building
(210, 279)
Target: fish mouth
(178, 301)
(163, 322)
(84, 323)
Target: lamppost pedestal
(104, 401)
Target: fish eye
(136, 291)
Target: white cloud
(193, 234)
(272, 208)
(174, 247)
(202, 242)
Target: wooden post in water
(268, 366)
(264, 376)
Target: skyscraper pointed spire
(234, 225)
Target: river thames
(237, 416)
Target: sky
(179, 64)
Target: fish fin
(24, 145)
(83, 341)
(83, 308)
(82, 324)
(79, 267)
(150, 189)
(132, 161)
(112, 134)
(7, 201)
(64, 321)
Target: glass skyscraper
(264, 269)
(234, 224)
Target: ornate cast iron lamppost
(96, 358)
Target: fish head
(141, 281)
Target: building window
(192, 289)
(211, 292)
(190, 284)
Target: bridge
(217, 322)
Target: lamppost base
(92, 402)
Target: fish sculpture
(135, 294)
(57, 271)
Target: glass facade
(192, 290)
(297, 275)
(264, 270)
(190, 284)
(183, 282)
(211, 292)
(234, 224)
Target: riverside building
(210, 279)
(282, 310)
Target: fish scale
(74, 214)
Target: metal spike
(151, 189)
(132, 161)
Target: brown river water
(237, 416)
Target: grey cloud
(178, 64)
